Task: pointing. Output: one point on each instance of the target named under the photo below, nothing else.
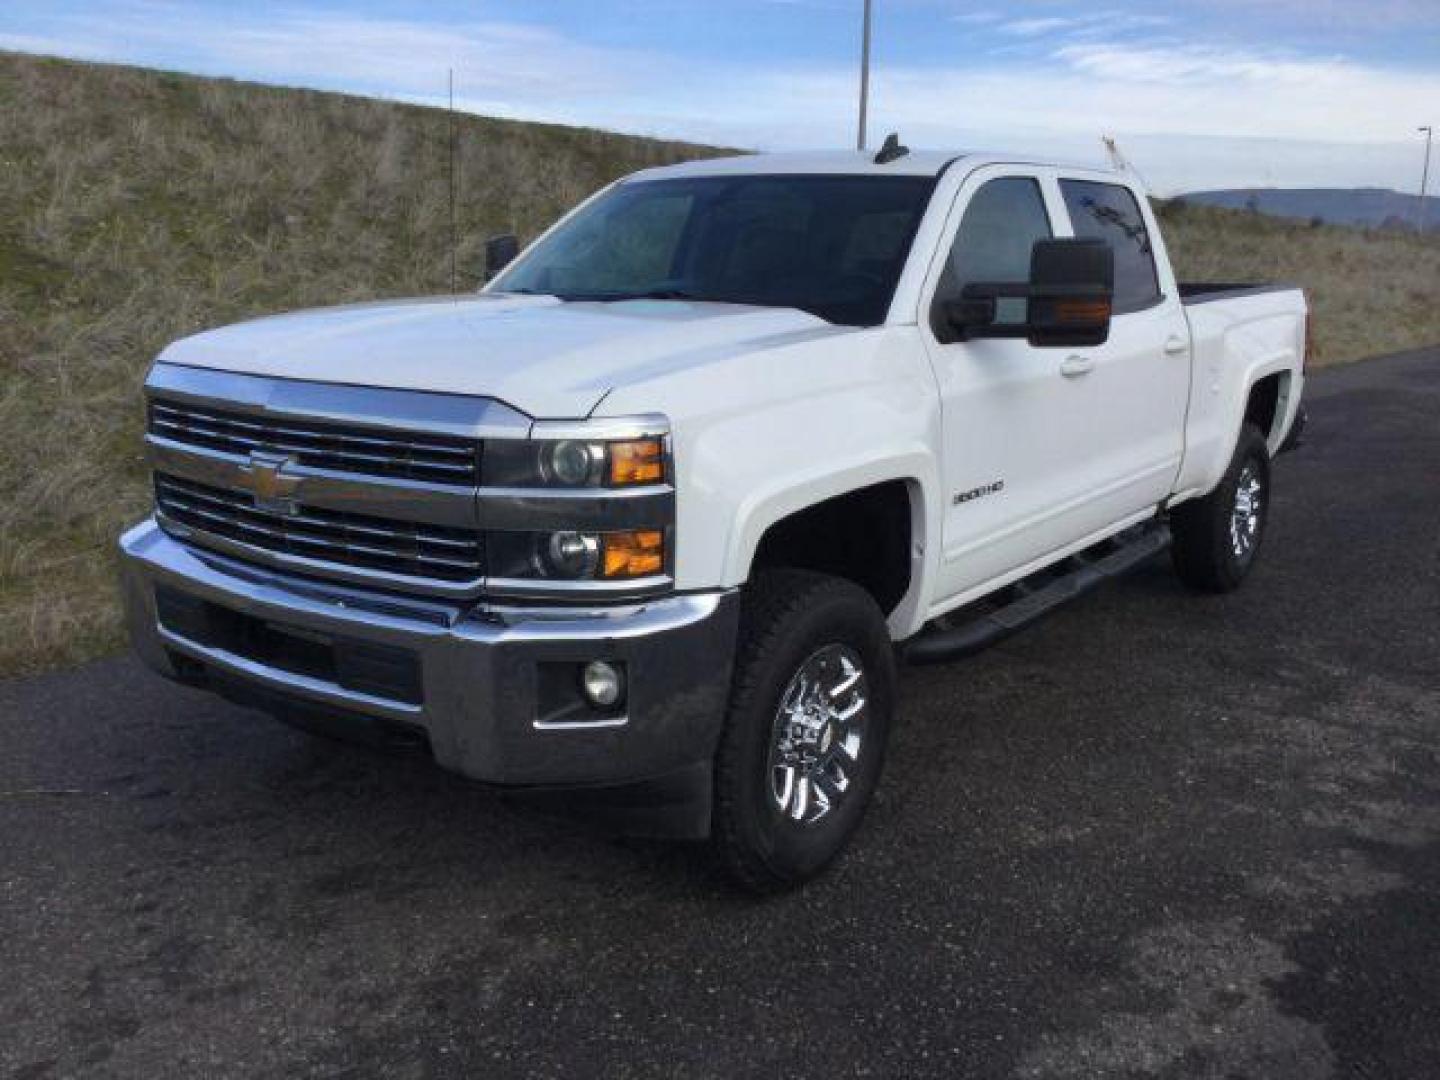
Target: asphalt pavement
(1156, 835)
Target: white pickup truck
(652, 516)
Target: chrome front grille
(348, 448)
(412, 549)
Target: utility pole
(864, 77)
(1429, 133)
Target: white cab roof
(847, 162)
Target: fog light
(603, 683)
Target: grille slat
(411, 548)
(443, 459)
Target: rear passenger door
(1138, 382)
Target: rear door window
(1109, 212)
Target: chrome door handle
(1075, 366)
(1177, 345)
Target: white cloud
(1110, 23)
(1189, 115)
(1337, 13)
(1036, 26)
(1196, 64)
(494, 59)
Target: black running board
(955, 636)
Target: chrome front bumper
(492, 683)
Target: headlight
(570, 555)
(573, 463)
(579, 508)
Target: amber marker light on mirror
(633, 554)
(637, 461)
(1082, 311)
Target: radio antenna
(1118, 161)
(454, 284)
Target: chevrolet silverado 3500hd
(654, 513)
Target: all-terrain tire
(1217, 538)
(794, 623)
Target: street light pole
(864, 77)
(1429, 133)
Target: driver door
(1016, 428)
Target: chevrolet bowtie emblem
(265, 478)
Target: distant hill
(1365, 207)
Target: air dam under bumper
(495, 691)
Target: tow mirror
(500, 251)
(1072, 292)
(1067, 301)
(970, 316)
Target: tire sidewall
(1251, 451)
(791, 851)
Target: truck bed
(1238, 334)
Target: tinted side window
(992, 245)
(1110, 213)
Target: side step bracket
(955, 636)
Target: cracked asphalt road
(1157, 835)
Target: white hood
(550, 359)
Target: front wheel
(1218, 537)
(804, 737)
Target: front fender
(761, 435)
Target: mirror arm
(500, 252)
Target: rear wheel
(804, 737)
(1218, 537)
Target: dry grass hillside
(1373, 291)
(137, 206)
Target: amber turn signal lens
(1082, 312)
(633, 554)
(640, 461)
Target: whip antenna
(450, 86)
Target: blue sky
(1200, 93)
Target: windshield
(830, 245)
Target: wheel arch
(1269, 406)
(873, 533)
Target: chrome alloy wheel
(1245, 514)
(819, 733)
